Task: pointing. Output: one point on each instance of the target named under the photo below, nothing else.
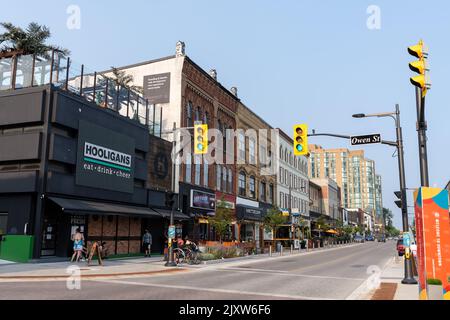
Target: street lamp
(409, 278)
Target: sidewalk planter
(16, 248)
(435, 289)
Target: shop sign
(203, 200)
(171, 233)
(205, 221)
(285, 212)
(433, 238)
(104, 159)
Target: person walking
(78, 240)
(147, 243)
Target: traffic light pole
(170, 261)
(409, 278)
(408, 274)
(422, 137)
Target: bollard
(281, 250)
(292, 248)
(270, 251)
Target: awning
(176, 214)
(80, 207)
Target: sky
(314, 62)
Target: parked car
(400, 247)
(358, 238)
(370, 238)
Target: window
(189, 121)
(3, 222)
(271, 193)
(252, 187)
(205, 118)
(251, 150)
(242, 183)
(262, 191)
(241, 146)
(205, 172)
(197, 171)
(262, 155)
(197, 114)
(224, 179)
(188, 176)
(230, 180)
(282, 200)
(218, 177)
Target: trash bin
(278, 246)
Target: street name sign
(367, 139)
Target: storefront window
(252, 187)
(242, 183)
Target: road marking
(168, 286)
(286, 273)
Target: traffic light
(419, 66)
(300, 139)
(398, 203)
(170, 199)
(200, 138)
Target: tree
(273, 220)
(387, 217)
(125, 80)
(221, 221)
(15, 40)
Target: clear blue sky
(293, 61)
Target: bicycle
(179, 254)
(192, 253)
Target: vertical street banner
(433, 238)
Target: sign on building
(105, 159)
(203, 200)
(157, 88)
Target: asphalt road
(328, 274)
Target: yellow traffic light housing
(200, 138)
(419, 67)
(301, 140)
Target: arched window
(224, 179)
(189, 122)
(230, 180)
(218, 177)
(242, 183)
(198, 115)
(252, 187)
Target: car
(400, 247)
(370, 238)
(358, 238)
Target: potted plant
(435, 289)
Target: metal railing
(22, 71)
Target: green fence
(16, 248)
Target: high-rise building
(354, 174)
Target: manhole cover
(358, 266)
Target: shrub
(206, 256)
(435, 282)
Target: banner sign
(157, 88)
(433, 238)
(104, 159)
(203, 200)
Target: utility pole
(422, 137)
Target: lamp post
(408, 276)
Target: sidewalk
(391, 287)
(61, 270)
(120, 268)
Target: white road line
(286, 296)
(286, 273)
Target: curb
(361, 293)
(89, 276)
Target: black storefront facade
(199, 203)
(66, 163)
